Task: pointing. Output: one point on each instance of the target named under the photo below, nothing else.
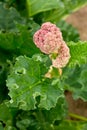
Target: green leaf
(75, 80)
(10, 41)
(28, 47)
(9, 17)
(40, 118)
(26, 120)
(64, 8)
(4, 69)
(1, 127)
(14, 33)
(20, 42)
(70, 78)
(82, 80)
(35, 6)
(71, 125)
(78, 52)
(26, 83)
(5, 114)
(57, 113)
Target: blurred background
(79, 21)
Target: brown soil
(78, 20)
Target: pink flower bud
(49, 38)
(52, 28)
(63, 57)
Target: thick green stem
(78, 117)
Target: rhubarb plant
(41, 57)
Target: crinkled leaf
(70, 77)
(26, 120)
(26, 83)
(4, 68)
(8, 18)
(78, 52)
(82, 80)
(41, 119)
(57, 113)
(10, 41)
(21, 42)
(14, 33)
(76, 81)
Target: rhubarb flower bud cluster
(63, 56)
(48, 38)
(50, 41)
